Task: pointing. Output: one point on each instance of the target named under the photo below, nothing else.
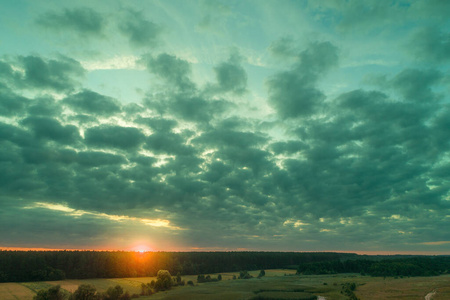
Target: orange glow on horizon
(144, 248)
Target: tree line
(164, 281)
(17, 266)
(411, 266)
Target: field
(277, 284)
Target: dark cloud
(158, 124)
(5, 70)
(223, 137)
(140, 31)
(190, 107)
(84, 21)
(318, 58)
(10, 103)
(97, 158)
(238, 148)
(50, 74)
(283, 48)
(289, 147)
(45, 106)
(367, 150)
(93, 103)
(231, 76)
(15, 134)
(430, 45)
(126, 138)
(7, 74)
(51, 129)
(37, 155)
(181, 98)
(216, 171)
(168, 143)
(172, 69)
(365, 14)
(416, 85)
(293, 93)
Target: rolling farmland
(277, 284)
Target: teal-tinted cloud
(93, 103)
(293, 93)
(51, 129)
(140, 31)
(83, 20)
(107, 136)
(172, 69)
(10, 103)
(289, 145)
(230, 75)
(430, 44)
(97, 158)
(50, 74)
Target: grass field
(277, 284)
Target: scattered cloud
(430, 44)
(140, 31)
(84, 21)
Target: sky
(225, 125)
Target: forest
(393, 267)
(21, 266)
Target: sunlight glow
(78, 213)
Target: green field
(277, 284)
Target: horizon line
(358, 252)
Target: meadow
(276, 284)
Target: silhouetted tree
(147, 289)
(53, 293)
(163, 280)
(113, 293)
(85, 292)
(244, 275)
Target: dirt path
(429, 296)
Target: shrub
(113, 293)
(244, 275)
(146, 289)
(53, 293)
(85, 292)
(163, 280)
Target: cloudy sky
(225, 125)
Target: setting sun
(141, 248)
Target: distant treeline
(411, 266)
(16, 266)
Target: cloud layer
(300, 151)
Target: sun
(141, 248)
